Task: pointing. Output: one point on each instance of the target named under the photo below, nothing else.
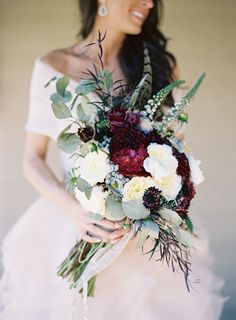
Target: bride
(131, 287)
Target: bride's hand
(89, 229)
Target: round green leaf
(84, 87)
(60, 110)
(135, 209)
(61, 85)
(114, 208)
(68, 142)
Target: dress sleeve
(40, 116)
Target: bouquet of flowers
(128, 166)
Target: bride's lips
(138, 15)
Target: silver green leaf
(135, 209)
(61, 85)
(84, 87)
(115, 208)
(60, 110)
(68, 142)
(171, 216)
(152, 227)
(66, 98)
(83, 185)
(81, 114)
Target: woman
(131, 287)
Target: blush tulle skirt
(131, 288)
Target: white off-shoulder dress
(130, 288)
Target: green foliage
(189, 224)
(114, 208)
(61, 85)
(67, 97)
(135, 209)
(131, 99)
(81, 114)
(68, 142)
(183, 117)
(151, 227)
(105, 78)
(71, 183)
(178, 107)
(84, 87)
(171, 216)
(60, 110)
(94, 147)
(84, 186)
(48, 83)
(103, 124)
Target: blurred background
(201, 37)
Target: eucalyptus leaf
(84, 87)
(135, 209)
(170, 215)
(66, 98)
(152, 228)
(60, 110)
(82, 184)
(88, 193)
(61, 85)
(115, 208)
(68, 142)
(81, 114)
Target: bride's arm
(45, 182)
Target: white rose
(169, 186)
(135, 188)
(94, 167)
(97, 202)
(196, 172)
(161, 162)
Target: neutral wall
(202, 34)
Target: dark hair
(131, 54)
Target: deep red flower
(121, 117)
(184, 198)
(128, 138)
(130, 161)
(183, 165)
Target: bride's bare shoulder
(65, 61)
(57, 59)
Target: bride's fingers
(117, 234)
(99, 231)
(107, 223)
(88, 238)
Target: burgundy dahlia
(183, 165)
(184, 198)
(152, 198)
(121, 117)
(128, 137)
(130, 161)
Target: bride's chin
(134, 29)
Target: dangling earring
(103, 11)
